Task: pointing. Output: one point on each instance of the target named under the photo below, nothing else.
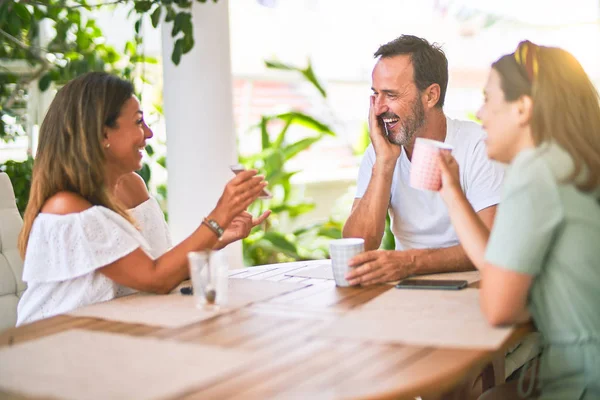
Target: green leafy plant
(75, 45)
(20, 177)
(269, 244)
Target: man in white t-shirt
(409, 86)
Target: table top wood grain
(293, 362)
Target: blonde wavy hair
(70, 156)
(566, 105)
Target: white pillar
(198, 106)
(38, 101)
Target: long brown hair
(70, 156)
(566, 105)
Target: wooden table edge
(442, 384)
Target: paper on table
(321, 271)
(175, 310)
(79, 364)
(324, 271)
(421, 317)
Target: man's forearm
(366, 225)
(381, 266)
(367, 219)
(431, 261)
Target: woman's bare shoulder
(131, 190)
(63, 203)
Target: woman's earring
(107, 145)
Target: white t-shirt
(64, 252)
(420, 218)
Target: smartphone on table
(237, 168)
(432, 284)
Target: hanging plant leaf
(177, 52)
(45, 82)
(155, 17)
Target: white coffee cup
(341, 251)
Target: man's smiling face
(397, 99)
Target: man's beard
(409, 126)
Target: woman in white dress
(79, 243)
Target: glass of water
(210, 278)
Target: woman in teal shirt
(541, 260)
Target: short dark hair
(430, 64)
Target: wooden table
(292, 363)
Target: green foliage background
(269, 244)
(76, 46)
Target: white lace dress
(152, 225)
(64, 252)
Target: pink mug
(425, 172)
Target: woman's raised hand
(240, 227)
(238, 194)
(450, 177)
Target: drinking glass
(210, 278)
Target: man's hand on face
(378, 266)
(387, 153)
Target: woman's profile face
(501, 121)
(127, 139)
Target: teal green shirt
(549, 229)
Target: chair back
(11, 264)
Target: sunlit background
(339, 37)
